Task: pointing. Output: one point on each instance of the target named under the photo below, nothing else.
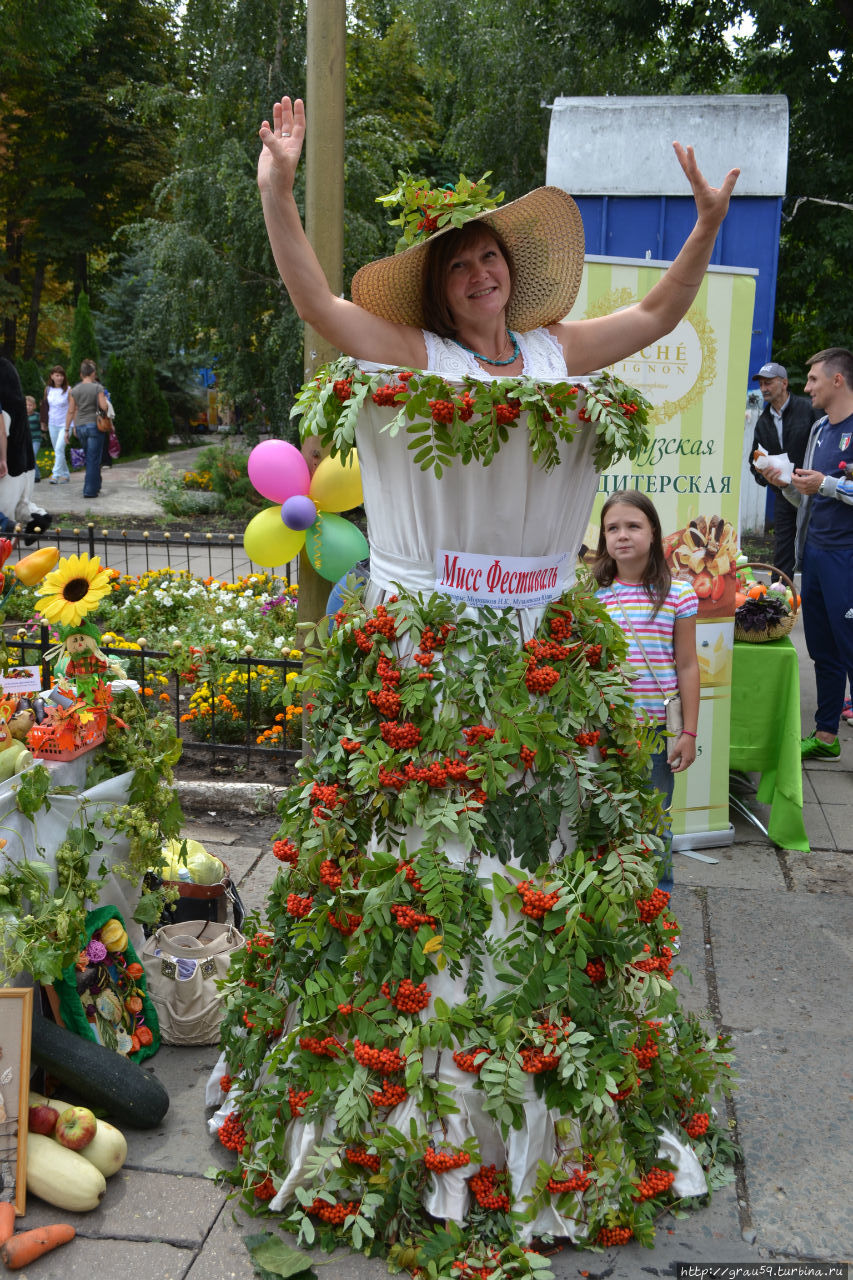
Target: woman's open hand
(712, 203)
(282, 145)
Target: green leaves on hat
(428, 209)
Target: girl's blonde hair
(656, 579)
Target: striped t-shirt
(657, 635)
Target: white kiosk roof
(616, 146)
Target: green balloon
(269, 542)
(334, 545)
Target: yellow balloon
(336, 485)
(269, 542)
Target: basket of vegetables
(764, 612)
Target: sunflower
(73, 589)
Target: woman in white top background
(56, 399)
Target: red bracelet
(689, 734)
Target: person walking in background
(16, 487)
(54, 410)
(106, 436)
(824, 495)
(86, 399)
(658, 615)
(35, 432)
(7, 525)
(782, 427)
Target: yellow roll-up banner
(697, 379)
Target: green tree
(204, 279)
(802, 48)
(84, 344)
(85, 132)
(152, 407)
(390, 124)
(119, 381)
(797, 47)
(32, 379)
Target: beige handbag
(671, 701)
(182, 963)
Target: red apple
(42, 1120)
(75, 1128)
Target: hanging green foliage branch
(471, 420)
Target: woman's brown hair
(441, 251)
(57, 368)
(656, 579)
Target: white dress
(510, 508)
(527, 513)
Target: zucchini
(108, 1149)
(62, 1177)
(100, 1076)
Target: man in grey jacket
(823, 493)
(783, 426)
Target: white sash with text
(500, 582)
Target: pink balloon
(278, 470)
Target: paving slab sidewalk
(766, 934)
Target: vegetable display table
(765, 733)
(39, 838)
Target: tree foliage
(128, 148)
(84, 345)
(152, 406)
(129, 427)
(802, 48)
(201, 273)
(84, 133)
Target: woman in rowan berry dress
(465, 902)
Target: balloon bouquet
(305, 514)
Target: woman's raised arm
(346, 326)
(592, 344)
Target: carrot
(7, 1220)
(26, 1246)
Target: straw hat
(544, 233)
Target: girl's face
(628, 537)
(56, 378)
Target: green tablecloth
(765, 733)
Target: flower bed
(204, 625)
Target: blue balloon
(298, 512)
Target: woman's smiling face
(478, 282)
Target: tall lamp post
(324, 210)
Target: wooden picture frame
(16, 1024)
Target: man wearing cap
(782, 427)
(823, 495)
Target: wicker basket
(779, 629)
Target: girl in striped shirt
(636, 587)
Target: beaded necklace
(488, 359)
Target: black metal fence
(32, 652)
(140, 551)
